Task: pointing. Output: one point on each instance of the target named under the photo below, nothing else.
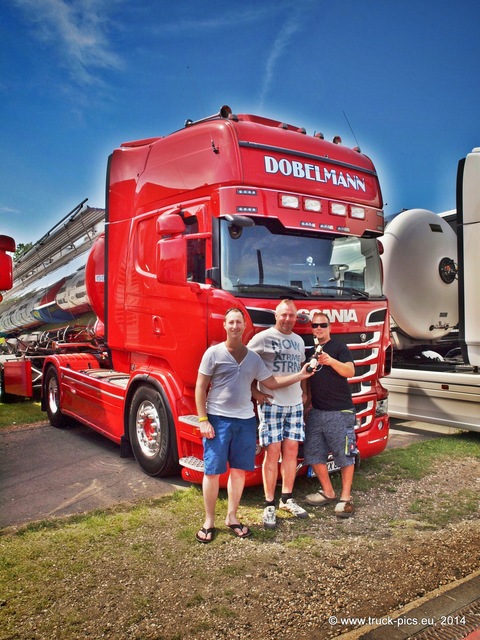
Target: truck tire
(52, 396)
(151, 432)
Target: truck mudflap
(18, 379)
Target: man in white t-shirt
(227, 418)
(281, 425)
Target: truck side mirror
(6, 264)
(170, 224)
(171, 250)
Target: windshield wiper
(350, 290)
(282, 287)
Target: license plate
(331, 466)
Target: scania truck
(230, 210)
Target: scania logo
(334, 315)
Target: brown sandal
(344, 509)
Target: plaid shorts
(278, 423)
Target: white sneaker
(269, 518)
(294, 508)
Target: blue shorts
(277, 423)
(330, 432)
(234, 442)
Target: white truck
(431, 264)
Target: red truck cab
(232, 210)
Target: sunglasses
(322, 325)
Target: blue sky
(79, 77)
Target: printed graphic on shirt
(288, 355)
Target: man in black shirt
(331, 420)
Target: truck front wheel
(52, 391)
(151, 433)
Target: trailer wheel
(52, 395)
(151, 432)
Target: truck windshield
(257, 262)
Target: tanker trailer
(430, 262)
(47, 309)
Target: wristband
(204, 419)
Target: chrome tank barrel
(49, 281)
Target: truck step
(191, 462)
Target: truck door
(165, 293)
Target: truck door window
(143, 247)
(195, 252)
(196, 260)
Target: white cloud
(224, 20)
(78, 30)
(282, 41)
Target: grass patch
(302, 541)
(448, 508)
(411, 525)
(21, 412)
(413, 462)
(113, 562)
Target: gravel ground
(296, 583)
(372, 564)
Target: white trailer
(431, 264)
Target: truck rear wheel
(52, 394)
(151, 433)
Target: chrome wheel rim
(147, 427)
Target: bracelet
(204, 419)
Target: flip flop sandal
(240, 527)
(206, 532)
(319, 499)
